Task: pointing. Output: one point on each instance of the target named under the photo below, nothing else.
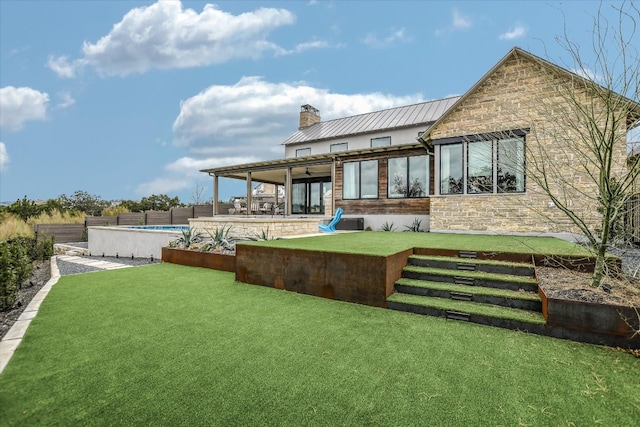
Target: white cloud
(63, 67)
(515, 33)
(458, 22)
(253, 116)
(66, 100)
(395, 36)
(246, 122)
(163, 185)
(4, 156)
(164, 35)
(21, 104)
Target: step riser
(451, 265)
(473, 318)
(530, 287)
(485, 299)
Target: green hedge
(17, 256)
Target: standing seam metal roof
(408, 115)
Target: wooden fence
(65, 233)
(62, 233)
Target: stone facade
(522, 94)
(256, 226)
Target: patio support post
(249, 195)
(333, 193)
(215, 195)
(287, 192)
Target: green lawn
(174, 345)
(386, 243)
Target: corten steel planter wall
(215, 261)
(362, 279)
(592, 318)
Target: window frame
(306, 150)
(407, 177)
(380, 138)
(360, 181)
(345, 144)
(520, 178)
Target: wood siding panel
(383, 205)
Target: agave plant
(263, 235)
(188, 239)
(415, 226)
(220, 239)
(386, 226)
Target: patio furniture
(239, 208)
(331, 227)
(255, 207)
(266, 208)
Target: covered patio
(307, 183)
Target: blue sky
(124, 99)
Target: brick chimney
(308, 116)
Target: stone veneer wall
(511, 98)
(255, 226)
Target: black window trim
(360, 180)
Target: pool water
(160, 227)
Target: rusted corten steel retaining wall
(211, 260)
(363, 279)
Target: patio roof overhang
(274, 171)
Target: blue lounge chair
(331, 227)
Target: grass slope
(173, 345)
(385, 243)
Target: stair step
(497, 296)
(490, 266)
(471, 278)
(487, 314)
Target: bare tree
(197, 197)
(595, 106)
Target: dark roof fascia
(425, 138)
(305, 161)
(490, 136)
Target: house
(461, 163)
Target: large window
(480, 167)
(483, 166)
(510, 165)
(360, 180)
(451, 169)
(408, 177)
(380, 142)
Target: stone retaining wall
(246, 227)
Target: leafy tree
(83, 202)
(160, 202)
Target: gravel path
(67, 268)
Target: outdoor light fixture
(307, 172)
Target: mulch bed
(40, 276)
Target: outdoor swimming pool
(159, 227)
(140, 241)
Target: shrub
(415, 226)
(15, 267)
(12, 225)
(387, 226)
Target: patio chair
(331, 227)
(239, 208)
(255, 207)
(266, 208)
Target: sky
(125, 99)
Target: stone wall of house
(520, 94)
(255, 226)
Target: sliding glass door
(307, 195)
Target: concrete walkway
(12, 339)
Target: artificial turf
(174, 345)
(385, 243)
